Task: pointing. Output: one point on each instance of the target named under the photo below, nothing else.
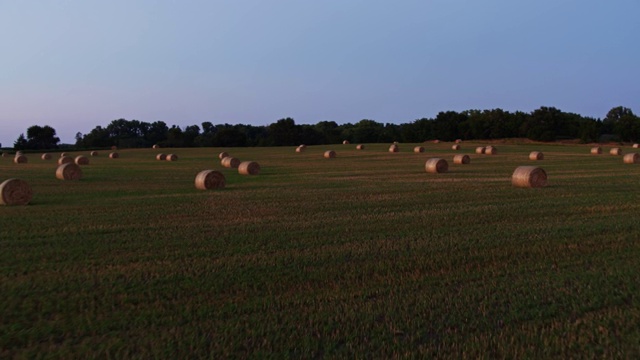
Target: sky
(75, 65)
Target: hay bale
(81, 160)
(94, 153)
(615, 151)
(394, 148)
(635, 146)
(223, 155)
(455, 147)
(529, 177)
(65, 160)
(436, 165)
(359, 147)
(15, 192)
(458, 141)
(329, 154)
(161, 157)
(480, 150)
(46, 156)
(596, 150)
(4, 154)
(63, 154)
(156, 146)
(69, 171)
(19, 153)
(210, 179)
(114, 155)
(536, 155)
(172, 157)
(461, 159)
(631, 158)
(418, 149)
(249, 168)
(230, 162)
(490, 150)
(345, 142)
(20, 159)
(300, 149)
(436, 141)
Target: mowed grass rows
(362, 255)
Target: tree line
(543, 124)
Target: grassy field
(361, 256)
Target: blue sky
(74, 65)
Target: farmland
(362, 255)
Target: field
(361, 256)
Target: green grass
(364, 255)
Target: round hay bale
(615, 151)
(156, 146)
(15, 192)
(210, 179)
(81, 160)
(359, 147)
(230, 162)
(436, 141)
(536, 155)
(65, 160)
(223, 155)
(529, 177)
(461, 159)
(46, 156)
(631, 158)
(94, 153)
(248, 168)
(300, 149)
(418, 149)
(329, 154)
(458, 141)
(19, 153)
(596, 150)
(69, 171)
(490, 150)
(20, 159)
(635, 146)
(172, 157)
(394, 148)
(436, 165)
(480, 150)
(114, 155)
(345, 142)
(63, 154)
(455, 147)
(161, 157)
(4, 154)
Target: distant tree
(21, 143)
(284, 132)
(41, 137)
(174, 137)
(367, 131)
(622, 122)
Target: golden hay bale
(436, 141)
(63, 154)
(596, 150)
(436, 165)
(536, 155)
(394, 148)
(300, 149)
(458, 141)
(490, 150)
(359, 147)
(223, 155)
(172, 157)
(20, 159)
(114, 155)
(15, 192)
(81, 160)
(4, 154)
(210, 179)
(46, 156)
(248, 168)
(94, 153)
(346, 142)
(461, 159)
(161, 156)
(329, 154)
(69, 171)
(455, 147)
(65, 160)
(635, 146)
(230, 162)
(156, 146)
(418, 149)
(631, 158)
(529, 177)
(615, 151)
(480, 150)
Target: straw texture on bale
(299, 149)
(63, 154)
(436, 165)
(20, 159)
(69, 171)
(359, 147)
(346, 142)
(114, 155)
(455, 147)
(635, 146)
(490, 150)
(15, 192)
(223, 155)
(65, 160)
(46, 156)
(418, 149)
(248, 168)
(394, 148)
(329, 154)
(94, 153)
(615, 151)
(536, 155)
(230, 162)
(210, 179)
(480, 150)
(529, 177)
(156, 146)
(161, 156)
(172, 157)
(596, 150)
(82, 160)
(631, 158)
(461, 159)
